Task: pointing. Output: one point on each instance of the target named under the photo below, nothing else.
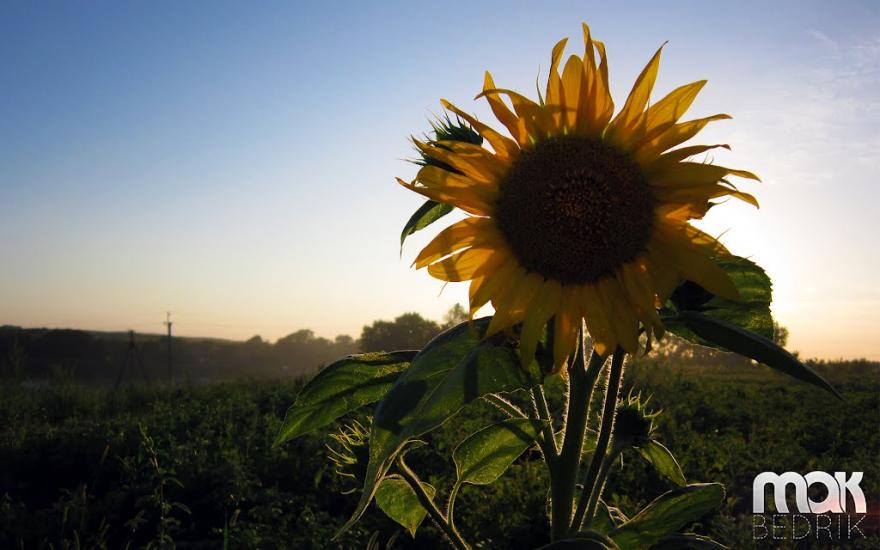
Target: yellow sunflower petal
(460, 266)
(512, 306)
(572, 77)
(633, 111)
(480, 168)
(623, 320)
(543, 307)
(493, 284)
(463, 198)
(555, 101)
(678, 155)
(598, 321)
(694, 265)
(537, 121)
(461, 234)
(694, 172)
(502, 145)
(678, 133)
(567, 324)
(503, 113)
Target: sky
(234, 163)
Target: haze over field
(236, 166)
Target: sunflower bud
(635, 423)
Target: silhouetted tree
(409, 331)
(457, 314)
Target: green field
(194, 467)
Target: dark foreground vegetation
(195, 468)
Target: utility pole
(168, 323)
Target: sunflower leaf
(485, 455)
(399, 502)
(667, 514)
(687, 541)
(454, 369)
(751, 311)
(427, 214)
(661, 458)
(738, 340)
(341, 387)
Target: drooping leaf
(602, 522)
(342, 387)
(667, 514)
(427, 214)
(454, 369)
(398, 500)
(485, 455)
(661, 458)
(688, 541)
(751, 312)
(583, 540)
(753, 346)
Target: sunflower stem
(592, 483)
(428, 504)
(549, 445)
(564, 474)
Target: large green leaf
(750, 312)
(398, 500)
(753, 346)
(454, 369)
(485, 455)
(427, 214)
(663, 461)
(342, 387)
(688, 541)
(667, 514)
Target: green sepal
(454, 369)
(341, 387)
(667, 514)
(428, 213)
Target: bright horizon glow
(236, 166)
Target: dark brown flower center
(575, 209)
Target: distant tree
(409, 331)
(456, 315)
(780, 334)
(344, 341)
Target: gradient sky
(234, 162)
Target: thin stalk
(549, 447)
(590, 495)
(564, 475)
(428, 504)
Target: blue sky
(234, 163)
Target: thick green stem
(428, 504)
(592, 486)
(564, 474)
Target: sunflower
(577, 215)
